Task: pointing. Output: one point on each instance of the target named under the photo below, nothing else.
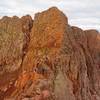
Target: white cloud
(84, 13)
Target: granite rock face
(12, 39)
(47, 59)
(13, 43)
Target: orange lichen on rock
(25, 77)
(47, 59)
(47, 34)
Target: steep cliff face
(49, 59)
(13, 41)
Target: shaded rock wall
(56, 61)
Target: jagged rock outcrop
(13, 41)
(58, 61)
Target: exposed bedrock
(47, 59)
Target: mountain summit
(48, 59)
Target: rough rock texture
(52, 60)
(12, 47)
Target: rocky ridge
(47, 59)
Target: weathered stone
(58, 61)
(12, 47)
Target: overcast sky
(82, 13)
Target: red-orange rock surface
(47, 59)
